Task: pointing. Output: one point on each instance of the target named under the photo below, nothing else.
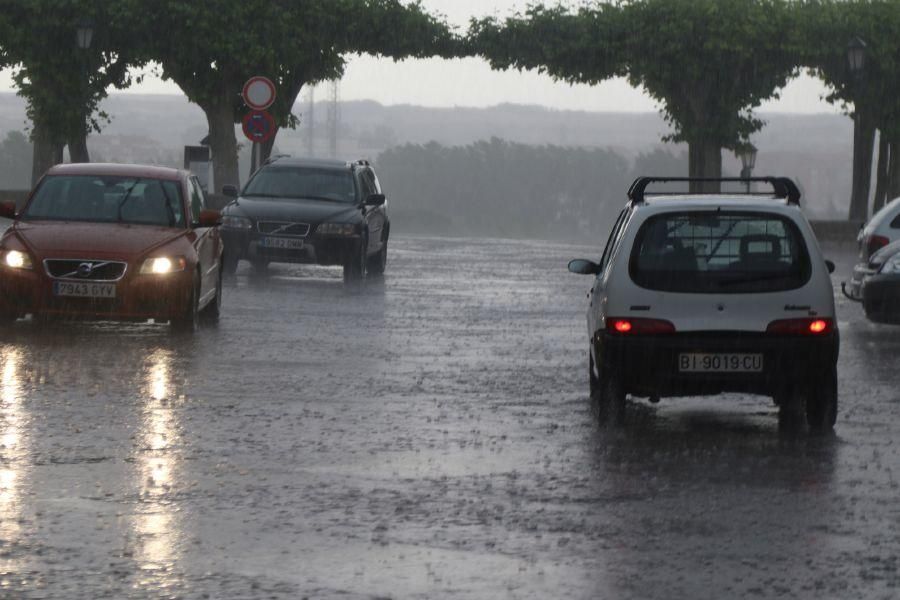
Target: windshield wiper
(124, 200)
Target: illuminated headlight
(163, 265)
(337, 229)
(236, 223)
(891, 265)
(17, 260)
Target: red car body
(85, 268)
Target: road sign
(259, 93)
(259, 126)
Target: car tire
(822, 403)
(610, 398)
(189, 321)
(229, 264)
(377, 264)
(593, 382)
(355, 264)
(211, 311)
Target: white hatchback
(702, 294)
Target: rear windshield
(104, 199)
(303, 182)
(719, 253)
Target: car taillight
(809, 326)
(876, 242)
(632, 326)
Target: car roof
(315, 163)
(667, 202)
(118, 170)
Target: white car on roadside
(702, 294)
(882, 229)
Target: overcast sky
(470, 82)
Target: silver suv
(701, 294)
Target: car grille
(283, 228)
(91, 270)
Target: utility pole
(334, 118)
(311, 123)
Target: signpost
(259, 126)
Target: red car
(113, 242)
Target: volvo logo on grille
(85, 269)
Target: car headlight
(230, 222)
(163, 265)
(15, 259)
(891, 265)
(336, 229)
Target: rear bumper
(649, 366)
(881, 298)
(138, 297)
(320, 250)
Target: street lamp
(856, 55)
(747, 154)
(84, 33)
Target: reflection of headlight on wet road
(163, 265)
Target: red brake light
(632, 326)
(801, 327)
(876, 242)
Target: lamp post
(747, 154)
(84, 37)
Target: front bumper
(317, 249)
(881, 298)
(138, 297)
(649, 365)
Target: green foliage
(62, 83)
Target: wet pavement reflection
(428, 436)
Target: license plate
(720, 363)
(282, 243)
(84, 289)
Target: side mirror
(209, 218)
(375, 200)
(230, 190)
(581, 266)
(830, 265)
(8, 210)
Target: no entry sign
(259, 126)
(259, 93)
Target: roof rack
(783, 187)
(364, 162)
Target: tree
(708, 62)
(211, 48)
(871, 96)
(63, 84)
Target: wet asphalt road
(430, 437)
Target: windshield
(102, 199)
(299, 182)
(721, 252)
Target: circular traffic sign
(259, 93)
(259, 126)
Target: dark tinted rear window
(719, 252)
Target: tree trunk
(863, 143)
(78, 150)
(894, 171)
(223, 145)
(265, 149)
(45, 153)
(704, 161)
(882, 173)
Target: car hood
(99, 240)
(301, 211)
